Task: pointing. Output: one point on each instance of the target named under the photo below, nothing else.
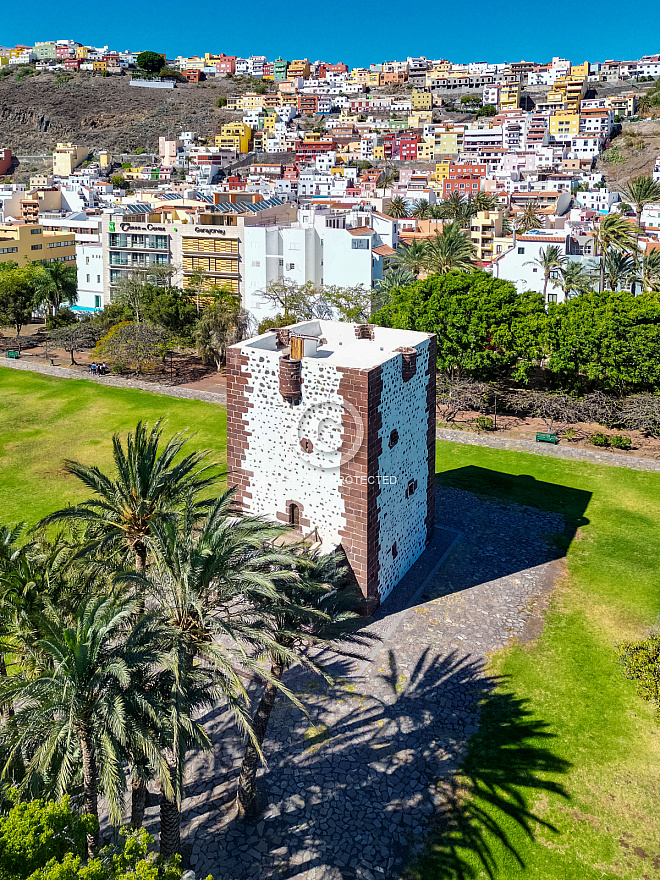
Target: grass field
(563, 779)
(45, 420)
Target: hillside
(633, 153)
(102, 112)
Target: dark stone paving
(350, 792)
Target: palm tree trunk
(247, 783)
(170, 820)
(90, 785)
(602, 272)
(545, 288)
(138, 801)
(8, 709)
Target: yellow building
(442, 170)
(81, 52)
(104, 158)
(270, 120)
(510, 96)
(360, 75)
(580, 70)
(234, 102)
(420, 118)
(421, 100)
(564, 125)
(298, 68)
(31, 242)
(426, 150)
(234, 136)
(252, 101)
(448, 142)
(67, 157)
(373, 79)
(485, 227)
(100, 65)
(4, 59)
(569, 90)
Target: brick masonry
(238, 433)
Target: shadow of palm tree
(377, 774)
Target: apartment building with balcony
(31, 242)
(485, 227)
(190, 236)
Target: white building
(331, 430)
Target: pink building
(5, 161)
(168, 150)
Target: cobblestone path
(349, 792)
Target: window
(256, 263)
(36, 247)
(394, 438)
(98, 279)
(88, 279)
(281, 262)
(11, 250)
(521, 250)
(291, 265)
(535, 269)
(35, 232)
(360, 244)
(97, 302)
(552, 297)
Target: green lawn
(563, 778)
(565, 749)
(45, 420)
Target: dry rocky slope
(103, 112)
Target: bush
(484, 423)
(620, 442)
(32, 834)
(599, 439)
(64, 318)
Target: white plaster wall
(282, 471)
(402, 520)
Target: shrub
(599, 439)
(64, 318)
(484, 423)
(620, 442)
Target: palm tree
(394, 279)
(642, 191)
(548, 260)
(643, 105)
(148, 489)
(398, 208)
(530, 217)
(59, 284)
(649, 270)
(207, 579)
(614, 231)
(411, 257)
(451, 250)
(485, 201)
(618, 268)
(574, 278)
(451, 208)
(421, 210)
(88, 700)
(317, 614)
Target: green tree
(421, 210)
(20, 295)
(209, 576)
(548, 261)
(398, 208)
(530, 217)
(642, 191)
(85, 706)
(609, 339)
(614, 232)
(641, 663)
(411, 257)
(34, 833)
(649, 270)
(59, 283)
(395, 279)
(132, 347)
(574, 279)
(483, 326)
(118, 181)
(619, 269)
(221, 324)
(151, 62)
(169, 308)
(450, 250)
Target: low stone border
(614, 459)
(154, 387)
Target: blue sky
(473, 30)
